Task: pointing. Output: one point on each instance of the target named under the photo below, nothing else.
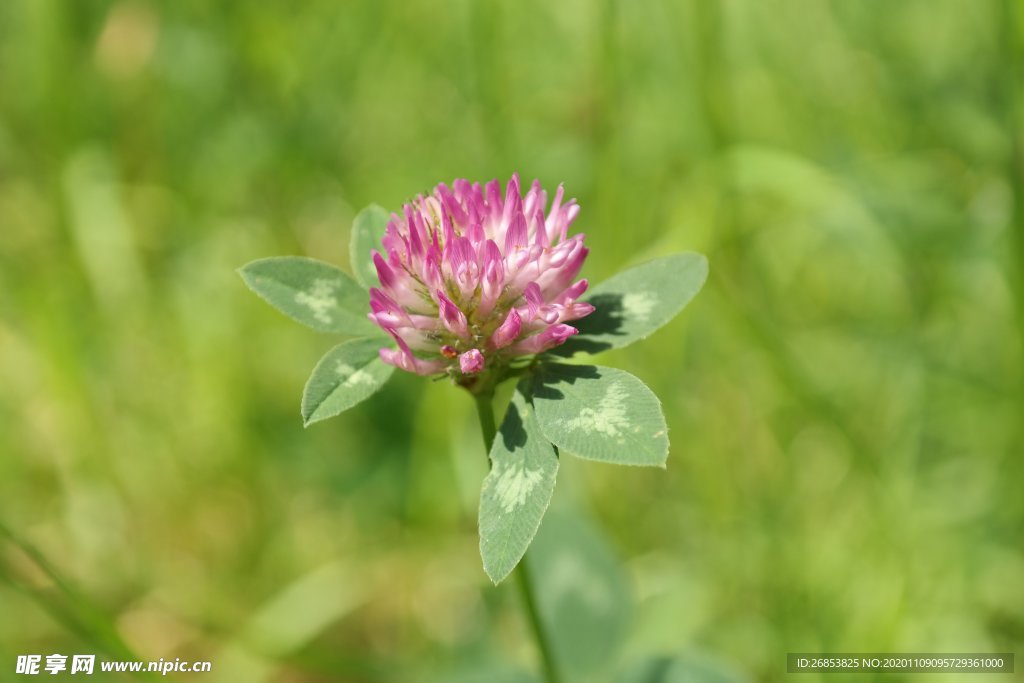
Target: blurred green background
(844, 397)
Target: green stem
(485, 410)
(547, 657)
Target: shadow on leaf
(606, 320)
(547, 379)
(513, 431)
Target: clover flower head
(471, 279)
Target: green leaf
(311, 292)
(367, 231)
(600, 414)
(688, 668)
(633, 304)
(348, 374)
(582, 593)
(518, 489)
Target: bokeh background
(844, 397)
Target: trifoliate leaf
(349, 374)
(636, 302)
(601, 414)
(367, 230)
(518, 489)
(311, 292)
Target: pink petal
(534, 300)
(403, 358)
(544, 340)
(508, 331)
(452, 317)
(384, 273)
(517, 237)
(471, 362)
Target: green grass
(843, 398)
